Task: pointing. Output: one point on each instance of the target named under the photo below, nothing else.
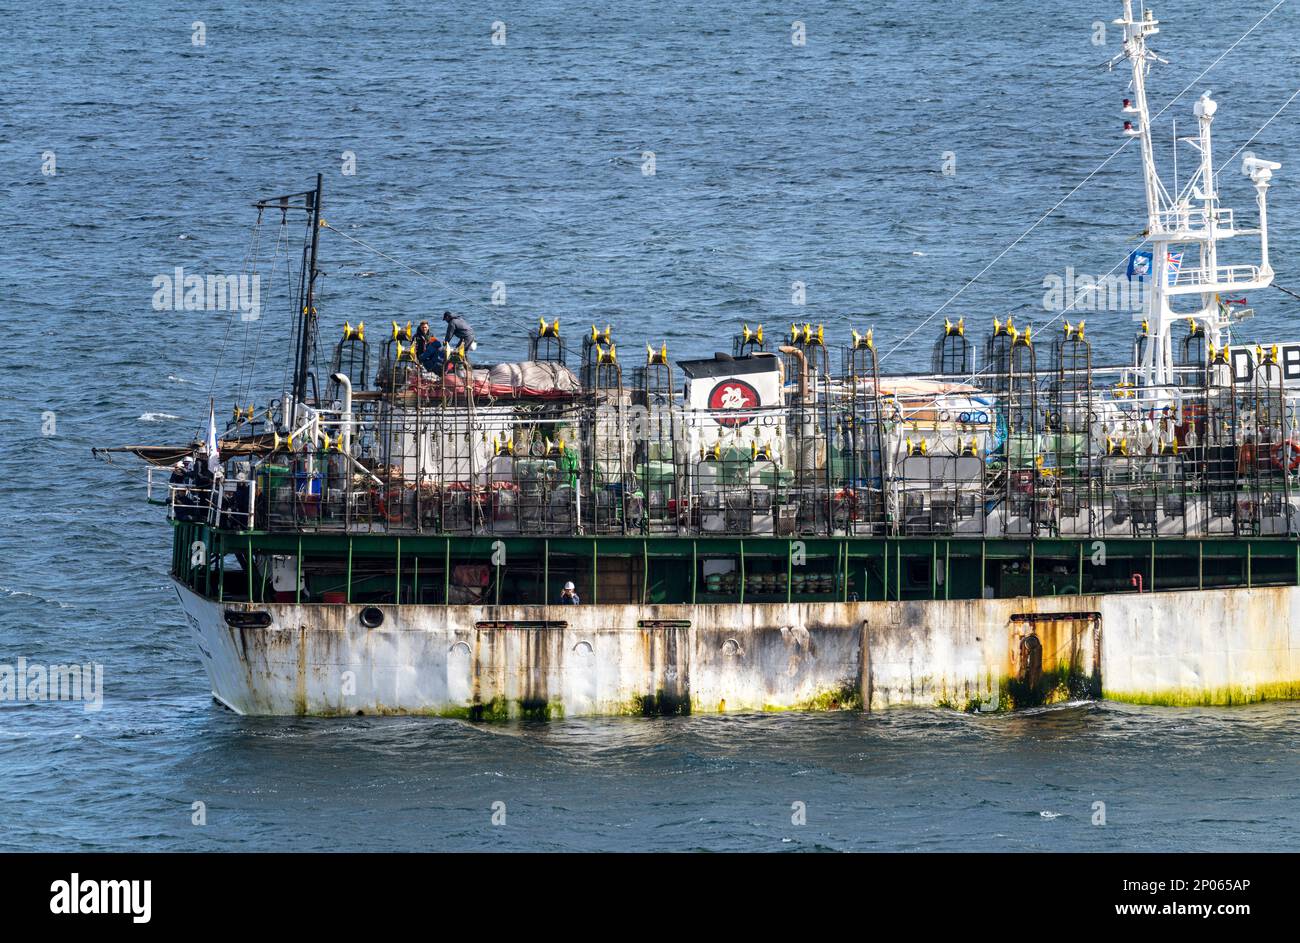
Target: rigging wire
(230, 323)
(255, 253)
(301, 319)
(414, 271)
(1258, 132)
(244, 384)
(1085, 180)
(276, 254)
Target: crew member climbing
(460, 329)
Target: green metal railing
(668, 569)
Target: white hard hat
(569, 586)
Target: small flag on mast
(1139, 265)
(1173, 265)
(214, 459)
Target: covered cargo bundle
(528, 378)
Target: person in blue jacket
(428, 349)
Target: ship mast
(1191, 218)
(304, 329)
(307, 318)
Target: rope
(270, 292)
(1258, 132)
(201, 432)
(411, 269)
(1066, 309)
(255, 253)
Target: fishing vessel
(600, 528)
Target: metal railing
(1037, 444)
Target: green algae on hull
(1224, 696)
(847, 697)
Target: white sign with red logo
(745, 404)
(733, 402)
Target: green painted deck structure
(668, 569)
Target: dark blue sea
(126, 151)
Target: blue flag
(1139, 264)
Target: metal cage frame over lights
(1031, 447)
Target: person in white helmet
(569, 596)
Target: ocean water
(523, 166)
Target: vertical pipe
(934, 569)
(397, 578)
(1200, 563)
(297, 583)
(845, 594)
(826, 417)
(1031, 569)
(884, 580)
(250, 569)
(1081, 568)
(546, 572)
(694, 569)
(1249, 561)
(595, 572)
(1153, 567)
(789, 570)
(415, 581)
(947, 570)
(984, 547)
(446, 575)
(742, 572)
(347, 589)
(898, 571)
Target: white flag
(214, 460)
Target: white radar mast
(1184, 229)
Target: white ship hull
(1181, 648)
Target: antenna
(1192, 222)
(305, 325)
(307, 312)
